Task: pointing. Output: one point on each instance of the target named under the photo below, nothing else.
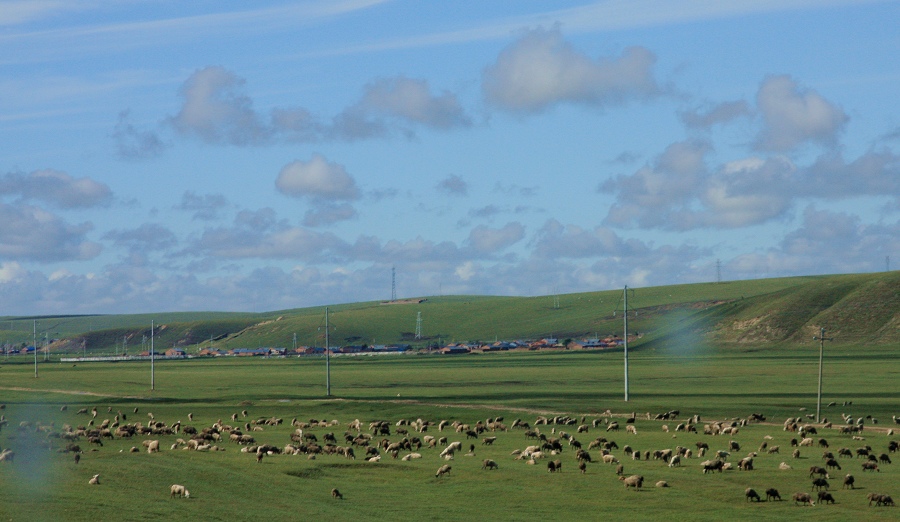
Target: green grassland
(43, 484)
(718, 350)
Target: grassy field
(43, 484)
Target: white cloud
(453, 185)
(411, 100)
(794, 116)
(32, 234)
(466, 271)
(746, 192)
(11, 271)
(328, 213)
(148, 237)
(206, 207)
(826, 243)
(14, 12)
(216, 111)
(317, 179)
(57, 188)
(541, 70)
(490, 240)
(717, 115)
(649, 197)
(133, 143)
(874, 173)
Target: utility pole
(718, 271)
(625, 315)
(34, 342)
(152, 359)
(327, 358)
(821, 338)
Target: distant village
(448, 349)
(549, 343)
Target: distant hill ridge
(854, 308)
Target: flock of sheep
(553, 440)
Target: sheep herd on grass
(554, 439)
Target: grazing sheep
(620, 470)
(443, 470)
(177, 490)
(336, 494)
(884, 458)
(95, 480)
(634, 481)
(820, 483)
(848, 482)
(880, 499)
(662, 484)
(610, 459)
(796, 454)
(772, 494)
(870, 466)
(582, 466)
(784, 466)
(675, 461)
(152, 446)
(832, 463)
(489, 464)
(712, 465)
(818, 470)
(77, 458)
(803, 498)
(631, 429)
(825, 497)
(554, 466)
(487, 441)
(751, 495)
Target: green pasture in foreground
(43, 484)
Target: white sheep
(95, 480)
(179, 491)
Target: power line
(418, 325)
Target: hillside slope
(862, 308)
(854, 308)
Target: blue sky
(215, 155)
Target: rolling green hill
(855, 308)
